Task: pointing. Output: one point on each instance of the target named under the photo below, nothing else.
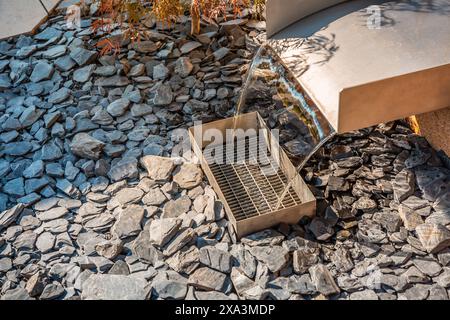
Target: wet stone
(54, 170)
(17, 148)
(36, 169)
(163, 95)
(118, 107)
(15, 187)
(82, 75)
(59, 96)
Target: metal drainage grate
(248, 191)
(250, 183)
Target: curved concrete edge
(360, 76)
(282, 13)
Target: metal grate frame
(251, 197)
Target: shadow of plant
(300, 49)
(386, 10)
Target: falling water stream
(273, 90)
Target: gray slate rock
(323, 280)
(85, 146)
(275, 257)
(118, 107)
(216, 259)
(82, 56)
(42, 71)
(52, 291)
(168, 289)
(124, 169)
(9, 216)
(129, 222)
(175, 208)
(403, 185)
(158, 168)
(114, 287)
(434, 237)
(18, 293)
(188, 176)
(208, 279)
(163, 230)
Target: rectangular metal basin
(252, 199)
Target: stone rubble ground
(92, 207)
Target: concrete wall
(435, 126)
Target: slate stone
(85, 146)
(208, 279)
(275, 257)
(158, 168)
(323, 280)
(82, 56)
(216, 259)
(124, 169)
(129, 222)
(42, 71)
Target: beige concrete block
(360, 75)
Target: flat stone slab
(22, 16)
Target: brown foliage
(129, 15)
